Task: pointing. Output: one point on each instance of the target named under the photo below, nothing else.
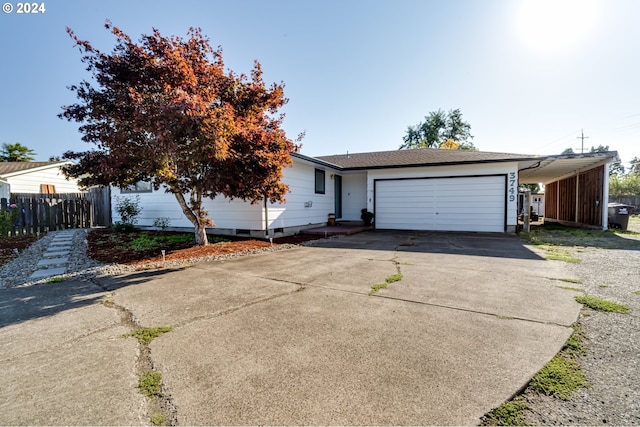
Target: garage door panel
(447, 204)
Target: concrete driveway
(292, 337)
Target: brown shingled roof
(11, 167)
(418, 157)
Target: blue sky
(526, 76)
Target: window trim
(320, 181)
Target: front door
(337, 182)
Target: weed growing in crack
(146, 335)
(599, 304)
(508, 414)
(391, 279)
(158, 419)
(555, 254)
(394, 278)
(375, 288)
(575, 343)
(560, 377)
(563, 374)
(151, 384)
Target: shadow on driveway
(24, 303)
(496, 245)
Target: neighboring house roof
(8, 169)
(419, 157)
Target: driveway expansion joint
(237, 308)
(467, 310)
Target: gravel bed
(612, 360)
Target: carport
(576, 187)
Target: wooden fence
(32, 213)
(627, 200)
(100, 198)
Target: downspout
(266, 219)
(526, 202)
(604, 203)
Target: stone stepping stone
(55, 254)
(61, 241)
(59, 237)
(39, 274)
(53, 261)
(59, 244)
(62, 238)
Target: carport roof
(552, 168)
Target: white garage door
(448, 204)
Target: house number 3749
(512, 186)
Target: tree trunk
(200, 229)
(201, 235)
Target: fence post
(28, 215)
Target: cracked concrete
(291, 337)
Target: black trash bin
(619, 215)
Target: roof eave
(35, 169)
(456, 163)
(316, 161)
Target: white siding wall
(29, 182)
(508, 168)
(354, 195)
(230, 215)
(225, 213)
(301, 181)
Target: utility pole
(582, 137)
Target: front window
(319, 181)
(138, 187)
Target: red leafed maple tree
(164, 110)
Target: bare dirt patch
(9, 244)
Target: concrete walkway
(293, 337)
(56, 256)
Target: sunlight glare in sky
(554, 26)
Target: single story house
(421, 189)
(35, 177)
